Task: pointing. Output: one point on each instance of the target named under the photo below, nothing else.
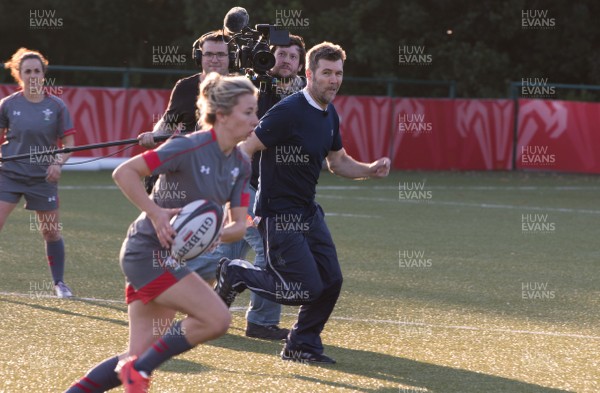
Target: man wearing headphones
(212, 54)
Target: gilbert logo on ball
(197, 225)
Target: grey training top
(192, 167)
(32, 128)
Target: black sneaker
(219, 264)
(270, 332)
(305, 357)
(224, 287)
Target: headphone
(197, 50)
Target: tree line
(482, 45)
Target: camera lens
(263, 61)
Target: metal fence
(389, 84)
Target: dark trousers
(302, 269)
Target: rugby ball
(197, 225)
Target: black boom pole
(80, 148)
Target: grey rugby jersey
(192, 167)
(32, 128)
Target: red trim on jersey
(152, 159)
(213, 134)
(245, 200)
(70, 131)
(150, 290)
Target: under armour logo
(205, 169)
(16, 113)
(52, 199)
(47, 112)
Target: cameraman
(180, 116)
(263, 315)
(289, 61)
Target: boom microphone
(80, 148)
(236, 19)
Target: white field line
(464, 204)
(43, 296)
(425, 187)
(462, 188)
(428, 201)
(105, 187)
(350, 319)
(333, 214)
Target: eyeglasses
(218, 55)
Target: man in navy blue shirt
(294, 137)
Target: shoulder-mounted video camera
(253, 51)
(252, 54)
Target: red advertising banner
(429, 134)
(452, 134)
(416, 133)
(109, 114)
(558, 136)
(365, 125)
